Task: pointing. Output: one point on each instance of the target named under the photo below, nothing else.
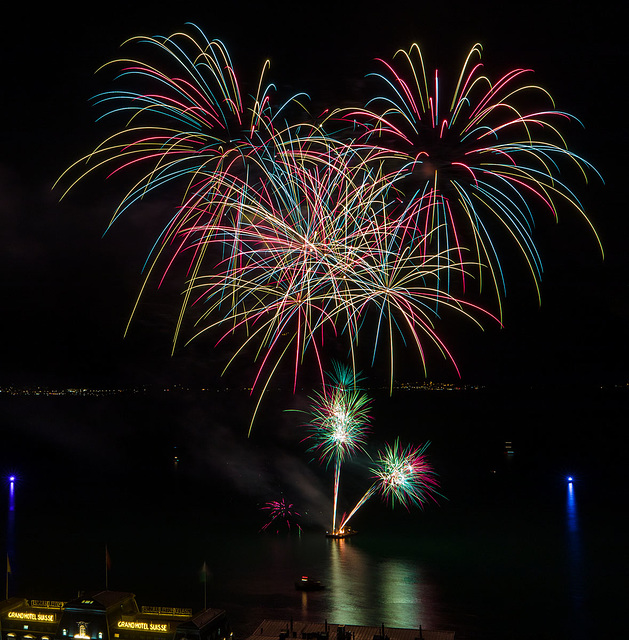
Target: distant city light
(569, 478)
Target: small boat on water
(346, 532)
(308, 584)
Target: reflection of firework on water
(402, 475)
(489, 155)
(339, 422)
(281, 516)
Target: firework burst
(487, 157)
(402, 475)
(312, 251)
(291, 234)
(281, 515)
(185, 118)
(339, 424)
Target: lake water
(512, 550)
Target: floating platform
(347, 532)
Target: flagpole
(204, 572)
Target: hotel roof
(106, 599)
(201, 619)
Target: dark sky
(67, 291)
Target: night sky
(67, 291)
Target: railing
(167, 611)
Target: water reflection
(304, 605)
(367, 590)
(575, 564)
(348, 582)
(10, 533)
(400, 593)
(373, 585)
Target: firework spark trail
(403, 475)
(480, 160)
(344, 522)
(313, 248)
(281, 514)
(190, 122)
(339, 423)
(291, 233)
(337, 482)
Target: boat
(308, 584)
(346, 532)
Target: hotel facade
(107, 615)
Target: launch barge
(346, 532)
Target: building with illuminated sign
(107, 615)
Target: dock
(284, 630)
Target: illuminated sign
(144, 626)
(47, 604)
(29, 615)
